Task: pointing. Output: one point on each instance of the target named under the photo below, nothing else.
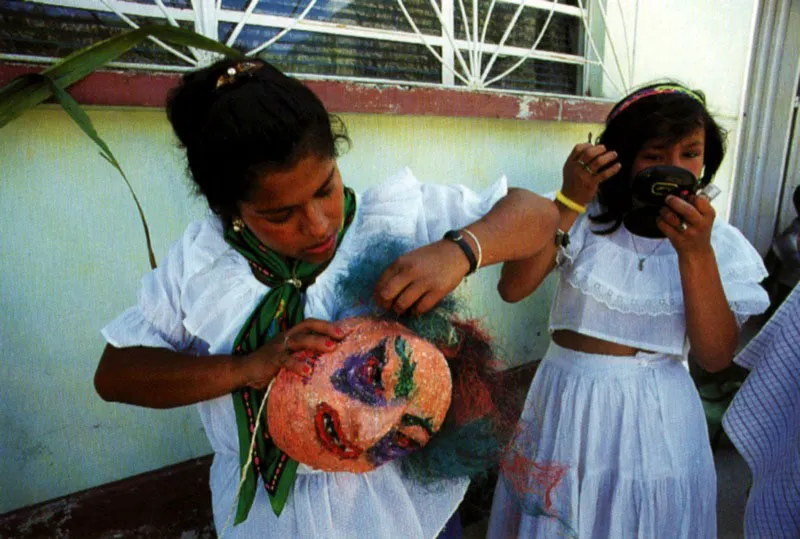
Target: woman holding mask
(249, 290)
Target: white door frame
(760, 179)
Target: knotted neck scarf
(280, 309)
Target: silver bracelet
(477, 245)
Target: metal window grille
(517, 45)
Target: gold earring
(238, 224)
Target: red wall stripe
(137, 89)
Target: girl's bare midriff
(591, 345)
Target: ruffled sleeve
(447, 207)
(741, 270)
(402, 208)
(606, 268)
(158, 319)
(432, 208)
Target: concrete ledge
(139, 89)
(170, 502)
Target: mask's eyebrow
(409, 420)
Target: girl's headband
(655, 90)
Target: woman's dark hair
(239, 119)
(669, 115)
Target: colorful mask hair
(482, 412)
(655, 90)
(466, 442)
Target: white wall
(705, 44)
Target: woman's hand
(418, 280)
(586, 167)
(295, 349)
(710, 323)
(687, 225)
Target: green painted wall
(73, 255)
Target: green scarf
(280, 309)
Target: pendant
(641, 264)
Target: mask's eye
(392, 446)
(361, 376)
(404, 443)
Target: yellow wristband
(569, 203)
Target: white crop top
(603, 293)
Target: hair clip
(235, 71)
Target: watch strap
(458, 238)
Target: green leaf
(29, 90)
(80, 117)
(26, 92)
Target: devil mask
(383, 393)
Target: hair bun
(189, 103)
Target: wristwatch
(457, 237)
(562, 238)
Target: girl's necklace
(641, 258)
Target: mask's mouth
(329, 431)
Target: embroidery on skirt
(534, 483)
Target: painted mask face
(382, 394)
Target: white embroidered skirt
(608, 446)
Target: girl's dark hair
(238, 120)
(668, 115)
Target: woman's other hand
(294, 350)
(419, 279)
(687, 224)
(586, 167)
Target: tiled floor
(733, 481)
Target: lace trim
(607, 272)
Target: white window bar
(471, 70)
(521, 60)
(155, 40)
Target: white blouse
(200, 296)
(603, 293)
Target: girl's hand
(418, 280)
(295, 349)
(687, 225)
(585, 169)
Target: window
(518, 45)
